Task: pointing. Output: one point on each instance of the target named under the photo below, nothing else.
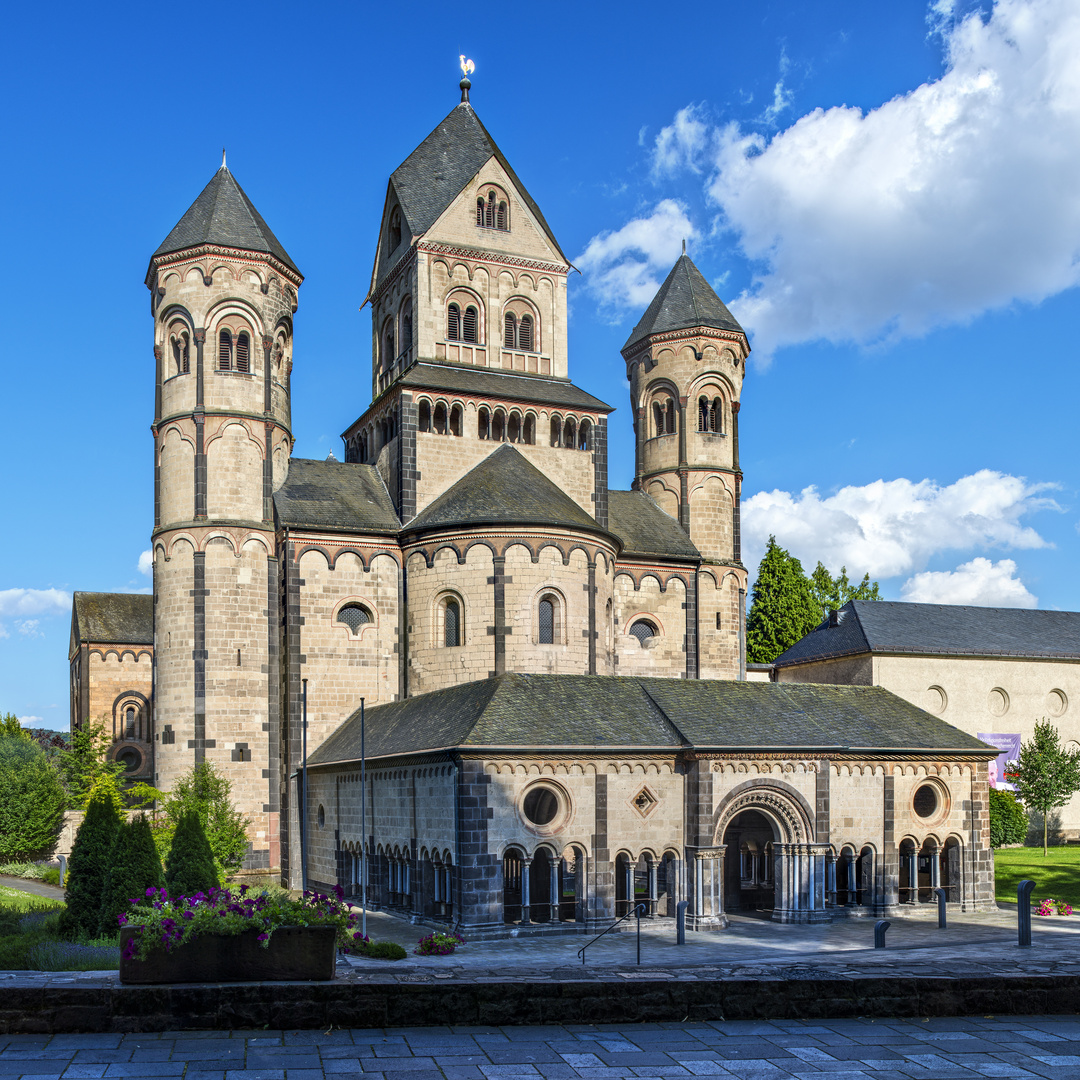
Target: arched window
(530, 430)
(451, 623)
(510, 330)
(513, 428)
(388, 345)
(525, 333)
(354, 616)
(716, 415)
(469, 325)
(130, 715)
(423, 416)
(243, 352)
(440, 419)
(453, 323)
(658, 418)
(584, 433)
(643, 629)
(489, 211)
(703, 415)
(406, 325)
(570, 434)
(456, 415)
(483, 424)
(181, 353)
(394, 235)
(547, 620)
(224, 351)
(492, 212)
(502, 220)
(556, 431)
(498, 426)
(669, 417)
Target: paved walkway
(1013, 1047)
(30, 885)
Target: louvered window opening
(547, 622)
(510, 331)
(451, 624)
(710, 415)
(453, 323)
(181, 354)
(492, 213)
(395, 229)
(354, 616)
(243, 353)
(642, 629)
(669, 417)
(225, 351)
(469, 325)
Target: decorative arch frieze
(778, 801)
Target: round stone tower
(685, 361)
(223, 294)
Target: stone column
(653, 898)
(706, 888)
(554, 893)
(817, 856)
(628, 887)
(526, 866)
(786, 873)
(913, 878)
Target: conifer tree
(832, 593)
(134, 867)
(189, 868)
(89, 863)
(782, 608)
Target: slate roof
(886, 626)
(685, 299)
(502, 384)
(438, 170)
(504, 489)
(333, 495)
(113, 618)
(645, 529)
(587, 711)
(223, 214)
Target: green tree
(85, 762)
(1046, 774)
(190, 866)
(32, 801)
(89, 863)
(782, 607)
(832, 593)
(208, 793)
(134, 867)
(10, 728)
(1008, 822)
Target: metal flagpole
(303, 797)
(363, 827)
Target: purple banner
(1010, 747)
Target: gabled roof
(685, 299)
(645, 529)
(540, 389)
(113, 618)
(337, 496)
(439, 169)
(504, 489)
(586, 711)
(223, 214)
(888, 626)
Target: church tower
(223, 292)
(685, 362)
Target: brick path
(1013, 1047)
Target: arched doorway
(908, 883)
(572, 885)
(749, 868)
(667, 885)
(952, 864)
(513, 876)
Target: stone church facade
(551, 669)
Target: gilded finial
(467, 68)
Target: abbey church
(550, 673)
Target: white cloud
(146, 563)
(28, 627)
(945, 202)
(31, 721)
(892, 527)
(34, 601)
(980, 582)
(625, 268)
(3, 631)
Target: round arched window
(322, 816)
(926, 801)
(354, 616)
(643, 629)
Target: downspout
(457, 841)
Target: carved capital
(157, 352)
(200, 335)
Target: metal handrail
(638, 909)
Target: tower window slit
(453, 323)
(225, 351)
(469, 325)
(243, 357)
(525, 333)
(510, 331)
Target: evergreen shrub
(1008, 819)
(190, 869)
(134, 867)
(89, 864)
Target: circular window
(998, 701)
(130, 758)
(322, 816)
(642, 629)
(937, 699)
(926, 801)
(540, 806)
(1056, 702)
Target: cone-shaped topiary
(134, 867)
(189, 867)
(88, 865)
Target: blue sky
(884, 194)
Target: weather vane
(467, 68)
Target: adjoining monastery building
(558, 723)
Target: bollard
(680, 921)
(941, 918)
(1023, 912)
(879, 933)
(63, 870)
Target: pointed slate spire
(223, 214)
(685, 299)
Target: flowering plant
(169, 922)
(438, 944)
(1048, 907)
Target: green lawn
(1056, 876)
(17, 900)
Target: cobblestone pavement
(752, 1050)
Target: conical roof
(504, 489)
(438, 170)
(223, 214)
(685, 299)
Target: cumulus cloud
(146, 563)
(31, 721)
(34, 602)
(980, 582)
(893, 527)
(28, 627)
(625, 268)
(953, 199)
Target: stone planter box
(294, 953)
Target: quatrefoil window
(644, 802)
